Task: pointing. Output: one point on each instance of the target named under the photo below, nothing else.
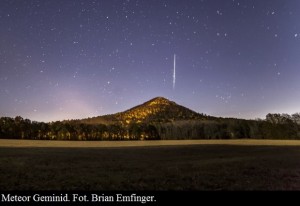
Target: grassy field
(99, 144)
(164, 165)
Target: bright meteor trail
(174, 72)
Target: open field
(189, 165)
(99, 144)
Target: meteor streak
(174, 72)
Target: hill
(158, 109)
(159, 119)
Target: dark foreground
(195, 167)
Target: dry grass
(207, 165)
(99, 144)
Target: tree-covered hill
(158, 118)
(158, 109)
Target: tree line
(228, 129)
(275, 126)
(19, 128)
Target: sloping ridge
(158, 109)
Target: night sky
(69, 59)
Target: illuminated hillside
(158, 109)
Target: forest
(274, 126)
